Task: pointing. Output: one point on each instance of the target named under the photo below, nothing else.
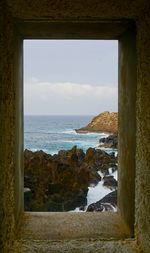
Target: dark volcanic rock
(60, 182)
(99, 160)
(105, 204)
(109, 142)
(110, 182)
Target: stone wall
(7, 141)
(12, 10)
(143, 130)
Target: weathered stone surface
(106, 122)
(76, 246)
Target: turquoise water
(53, 133)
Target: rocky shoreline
(60, 182)
(109, 142)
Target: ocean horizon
(52, 133)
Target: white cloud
(68, 98)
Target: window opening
(70, 125)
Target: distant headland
(106, 122)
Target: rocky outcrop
(108, 203)
(60, 182)
(106, 122)
(109, 142)
(110, 182)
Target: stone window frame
(104, 225)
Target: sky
(70, 77)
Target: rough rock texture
(106, 122)
(142, 192)
(7, 133)
(105, 204)
(60, 182)
(110, 182)
(76, 246)
(109, 142)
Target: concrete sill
(68, 226)
(75, 246)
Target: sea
(54, 133)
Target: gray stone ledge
(67, 225)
